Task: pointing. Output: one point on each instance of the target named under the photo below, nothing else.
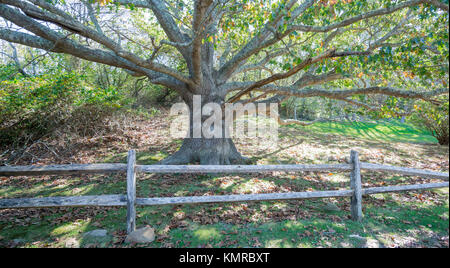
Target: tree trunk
(206, 150)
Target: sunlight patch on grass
(337, 178)
(181, 193)
(145, 158)
(279, 205)
(227, 182)
(255, 186)
(274, 243)
(393, 131)
(71, 228)
(207, 234)
(155, 157)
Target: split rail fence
(355, 191)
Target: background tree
(249, 51)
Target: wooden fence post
(131, 191)
(355, 184)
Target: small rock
(141, 236)
(97, 233)
(72, 243)
(331, 207)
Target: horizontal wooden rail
(61, 169)
(403, 188)
(121, 200)
(71, 201)
(112, 168)
(241, 169)
(405, 171)
(239, 198)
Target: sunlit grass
(393, 131)
(207, 234)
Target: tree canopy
(309, 43)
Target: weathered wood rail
(355, 191)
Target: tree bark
(206, 150)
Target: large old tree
(232, 51)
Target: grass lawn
(412, 219)
(386, 131)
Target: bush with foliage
(31, 107)
(434, 117)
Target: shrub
(33, 107)
(434, 117)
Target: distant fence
(355, 191)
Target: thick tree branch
(75, 27)
(52, 41)
(257, 43)
(352, 20)
(369, 107)
(199, 27)
(135, 3)
(310, 80)
(280, 76)
(343, 94)
(261, 64)
(167, 23)
(28, 40)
